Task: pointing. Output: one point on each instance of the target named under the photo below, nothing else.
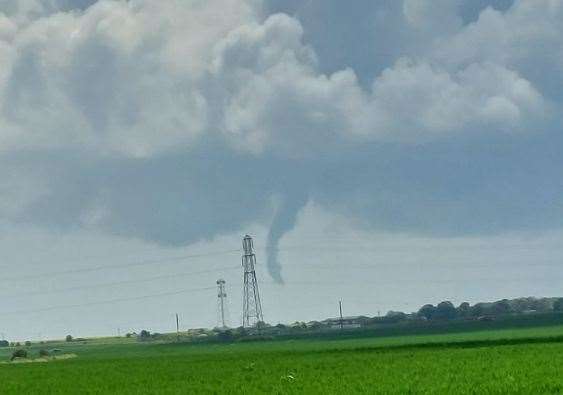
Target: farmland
(522, 360)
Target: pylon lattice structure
(221, 299)
(251, 306)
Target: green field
(526, 361)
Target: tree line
(447, 310)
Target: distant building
(346, 322)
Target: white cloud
(275, 98)
(414, 100)
(526, 38)
(122, 77)
(141, 78)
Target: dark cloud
(454, 188)
(131, 131)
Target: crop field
(518, 361)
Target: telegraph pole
(341, 319)
(251, 306)
(177, 328)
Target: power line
(119, 266)
(179, 258)
(422, 265)
(169, 276)
(51, 308)
(70, 306)
(117, 283)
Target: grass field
(526, 361)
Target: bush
(19, 353)
(68, 338)
(226, 336)
(43, 353)
(393, 317)
(27, 343)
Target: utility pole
(221, 295)
(177, 328)
(251, 306)
(341, 319)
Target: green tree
(478, 310)
(464, 310)
(445, 311)
(315, 325)
(558, 305)
(394, 316)
(541, 305)
(427, 311)
(501, 307)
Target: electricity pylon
(222, 296)
(251, 307)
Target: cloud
(279, 102)
(100, 78)
(439, 16)
(104, 79)
(525, 38)
(419, 101)
(179, 121)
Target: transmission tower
(222, 296)
(251, 307)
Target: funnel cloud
(283, 222)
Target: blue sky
(149, 128)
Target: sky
(388, 153)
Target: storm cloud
(180, 121)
